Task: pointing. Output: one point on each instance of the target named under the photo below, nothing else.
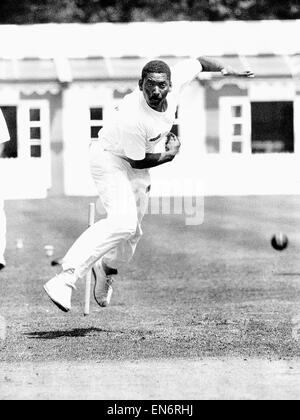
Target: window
(33, 129)
(237, 147)
(237, 129)
(235, 125)
(35, 114)
(236, 111)
(95, 121)
(256, 127)
(10, 148)
(272, 127)
(35, 132)
(175, 128)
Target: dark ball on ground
(279, 241)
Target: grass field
(217, 291)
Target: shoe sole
(62, 308)
(54, 263)
(94, 290)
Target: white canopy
(149, 39)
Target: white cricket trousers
(124, 193)
(2, 231)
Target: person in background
(4, 137)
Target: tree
(42, 11)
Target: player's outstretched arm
(211, 65)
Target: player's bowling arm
(151, 160)
(211, 65)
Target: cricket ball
(279, 241)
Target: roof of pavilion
(67, 52)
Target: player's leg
(106, 234)
(126, 249)
(117, 196)
(2, 234)
(106, 268)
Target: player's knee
(127, 226)
(129, 229)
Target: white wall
(23, 178)
(255, 175)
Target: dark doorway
(10, 147)
(272, 127)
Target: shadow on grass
(53, 335)
(288, 274)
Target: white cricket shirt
(135, 128)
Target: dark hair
(156, 66)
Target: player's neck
(162, 107)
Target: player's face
(155, 88)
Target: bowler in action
(120, 160)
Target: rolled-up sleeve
(185, 71)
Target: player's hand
(228, 71)
(172, 144)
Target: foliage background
(91, 11)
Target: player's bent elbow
(132, 163)
(137, 164)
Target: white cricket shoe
(59, 289)
(103, 285)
